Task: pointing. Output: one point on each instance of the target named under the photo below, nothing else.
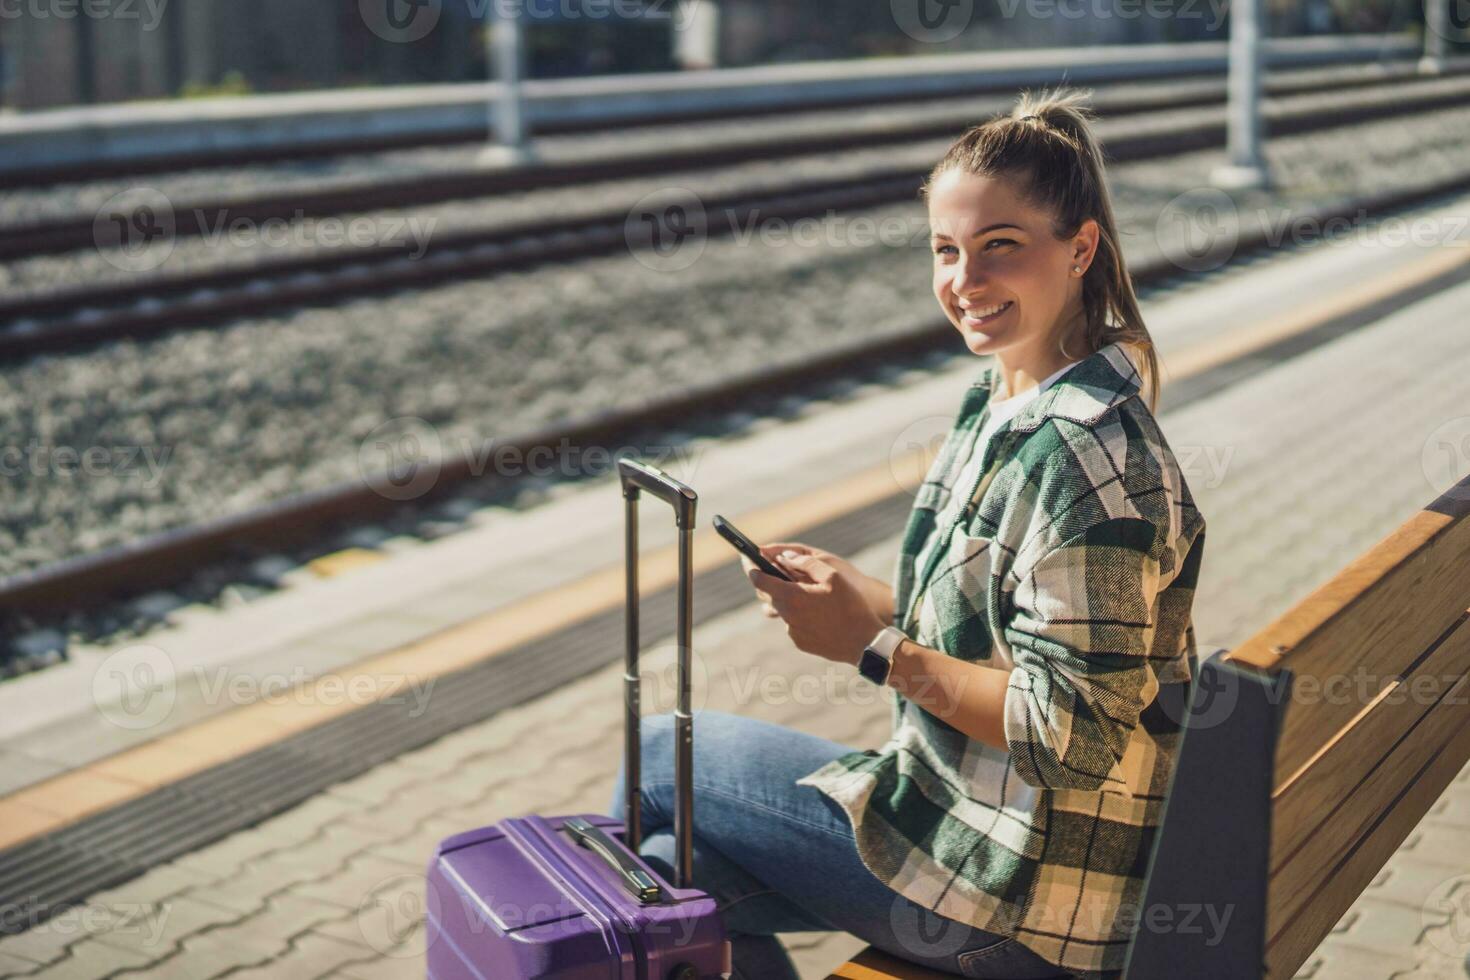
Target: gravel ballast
(201, 424)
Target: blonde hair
(1045, 143)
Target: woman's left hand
(825, 611)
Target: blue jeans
(778, 857)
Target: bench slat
(1289, 951)
(874, 964)
(1319, 883)
(1376, 615)
(1305, 802)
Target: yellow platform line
(57, 802)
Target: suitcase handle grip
(636, 477)
(635, 879)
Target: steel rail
(85, 316)
(169, 557)
(195, 218)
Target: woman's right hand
(879, 594)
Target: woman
(1043, 596)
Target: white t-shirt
(1004, 409)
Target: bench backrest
(1310, 753)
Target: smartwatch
(877, 658)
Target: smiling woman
(1041, 603)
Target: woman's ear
(1084, 243)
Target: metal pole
(683, 719)
(1437, 29)
(506, 50)
(697, 40)
(632, 747)
(1245, 131)
(86, 55)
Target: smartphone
(744, 545)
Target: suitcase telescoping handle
(637, 477)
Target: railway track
(172, 557)
(1185, 87)
(81, 316)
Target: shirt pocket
(956, 603)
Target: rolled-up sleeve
(1080, 638)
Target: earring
(1076, 268)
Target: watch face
(874, 666)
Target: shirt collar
(1093, 385)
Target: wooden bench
(1309, 754)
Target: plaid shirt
(1075, 574)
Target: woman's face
(1003, 279)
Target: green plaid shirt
(1075, 574)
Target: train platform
(1334, 374)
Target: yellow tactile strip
(50, 805)
(62, 800)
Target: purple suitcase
(568, 897)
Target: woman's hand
(828, 608)
(878, 593)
